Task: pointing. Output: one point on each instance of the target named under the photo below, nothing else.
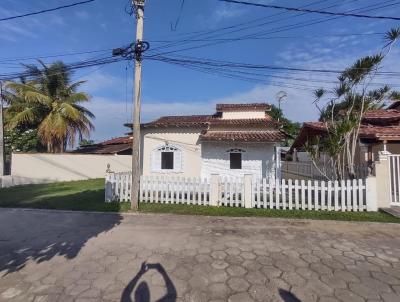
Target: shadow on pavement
(142, 292)
(288, 296)
(39, 236)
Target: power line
(178, 19)
(46, 10)
(14, 59)
(311, 10)
(239, 65)
(221, 31)
(273, 38)
(70, 67)
(236, 71)
(274, 30)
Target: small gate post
(214, 190)
(383, 181)
(247, 192)
(371, 194)
(109, 185)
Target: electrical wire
(70, 67)
(311, 10)
(221, 31)
(46, 10)
(15, 59)
(276, 30)
(178, 19)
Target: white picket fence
(247, 192)
(175, 190)
(310, 195)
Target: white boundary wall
(45, 168)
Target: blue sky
(173, 90)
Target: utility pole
(280, 96)
(135, 51)
(2, 147)
(136, 170)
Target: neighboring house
(380, 131)
(238, 139)
(116, 146)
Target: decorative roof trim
(243, 136)
(243, 107)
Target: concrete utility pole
(2, 147)
(136, 170)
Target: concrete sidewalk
(65, 256)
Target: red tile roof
(244, 136)
(382, 116)
(243, 107)
(117, 140)
(367, 131)
(380, 132)
(112, 146)
(196, 121)
(204, 121)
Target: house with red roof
(237, 139)
(380, 131)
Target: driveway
(61, 256)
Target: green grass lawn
(85, 195)
(88, 195)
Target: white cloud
(98, 80)
(227, 11)
(110, 117)
(81, 14)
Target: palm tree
(51, 104)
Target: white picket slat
(296, 194)
(329, 196)
(290, 193)
(336, 192)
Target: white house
(238, 139)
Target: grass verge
(88, 195)
(240, 212)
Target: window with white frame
(166, 159)
(235, 159)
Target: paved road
(58, 256)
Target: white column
(371, 194)
(214, 190)
(382, 174)
(247, 192)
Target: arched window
(235, 158)
(166, 158)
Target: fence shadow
(27, 235)
(142, 292)
(287, 296)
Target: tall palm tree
(51, 104)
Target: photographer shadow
(142, 291)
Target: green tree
(291, 128)
(343, 115)
(86, 142)
(50, 104)
(22, 141)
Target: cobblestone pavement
(60, 256)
